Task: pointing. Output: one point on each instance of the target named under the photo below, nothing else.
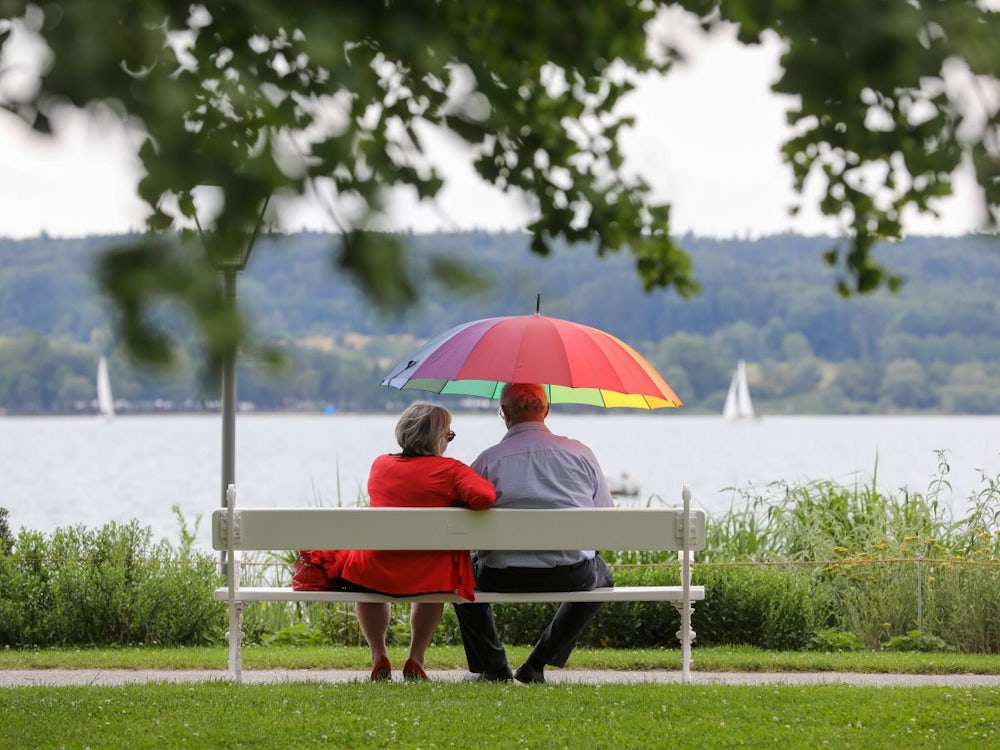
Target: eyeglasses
(450, 436)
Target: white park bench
(235, 530)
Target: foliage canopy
(251, 104)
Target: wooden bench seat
(235, 530)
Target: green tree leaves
(269, 100)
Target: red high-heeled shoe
(413, 671)
(382, 670)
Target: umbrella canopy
(577, 364)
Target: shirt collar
(525, 427)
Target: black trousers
(483, 649)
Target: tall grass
(882, 566)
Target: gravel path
(54, 677)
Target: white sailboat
(105, 403)
(738, 404)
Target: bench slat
(616, 594)
(458, 528)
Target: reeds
(884, 566)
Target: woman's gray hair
(421, 429)
(520, 399)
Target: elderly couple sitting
(529, 468)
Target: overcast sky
(707, 138)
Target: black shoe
(489, 677)
(528, 674)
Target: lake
(61, 471)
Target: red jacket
(414, 482)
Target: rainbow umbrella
(576, 363)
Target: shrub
(299, 634)
(772, 607)
(766, 607)
(6, 537)
(962, 599)
(916, 641)
(835, 641)
(873, 597)
(110, 586)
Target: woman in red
(419, 476)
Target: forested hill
(770, 300)
(293, 290)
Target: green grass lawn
(360, 714)
(716, 659)
(456, 714)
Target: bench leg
(235, 636)
(686, 636)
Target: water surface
(61, 471)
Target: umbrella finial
(538, 303)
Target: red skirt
(401, 572)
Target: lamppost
(230, 258)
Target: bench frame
(672, 529)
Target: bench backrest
(458, 528)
